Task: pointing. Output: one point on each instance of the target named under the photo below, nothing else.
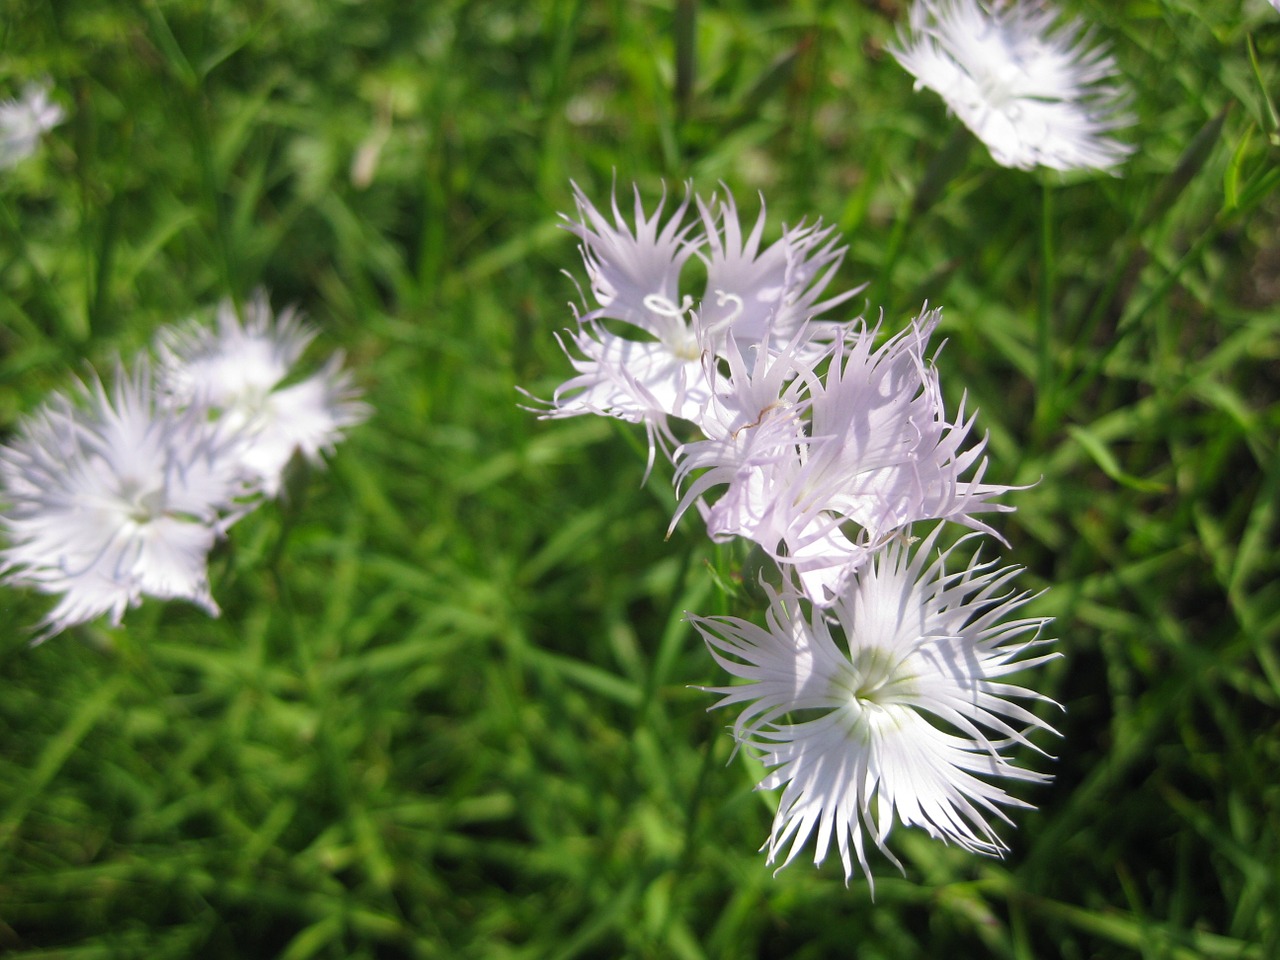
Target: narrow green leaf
(1231, 179)
(1189, 164)
(1106, 461)
(588, 676)
(314, 938)
(56, 752)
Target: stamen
(723, 297)
(663, 307)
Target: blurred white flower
(903, 713)
(24, 120)
(239, 372)
(109, 496)
(1034, 90)
(836, 465)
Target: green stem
(694, 806)
(46, 293)
(941, 170)
(884, 280)
(208, 176)
(1044, 322)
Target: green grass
(448, 709)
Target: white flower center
(140, 503)
(872, 683)
(873, 680)
(999, 82)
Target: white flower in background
(892, 703)
(239, 371)
(874, 453)
(24, 120)
(1034, 90)
(107, 496)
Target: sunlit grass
(448, 710)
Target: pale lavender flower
(111, 495)
(1033, 89)
(645, 351)
(639, 381)
(650, 367)
(873, 453)
(24, 120)
(239, 371)
(891, 704)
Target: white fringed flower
(639, 381)
(891, 704)
(239, 372)
(1034, 90)
(24, 120)
(111, 495)
(649, 367)
(641, 353)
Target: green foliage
(447, 709)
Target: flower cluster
(819, 471)
(1029, 86)
(112, 492)
(24, 120)
(876, 689)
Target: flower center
(871, 683)
(999, 83)
(873, 688)
(140, 504)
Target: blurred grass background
(447, 710)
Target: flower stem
(1044, 321)
(941, 170)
